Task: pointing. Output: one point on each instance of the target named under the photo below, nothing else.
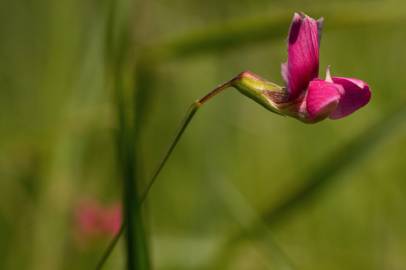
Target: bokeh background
(245, 189)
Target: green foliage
(79, 84)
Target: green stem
(185, 123)
(130, 200)
(110, 247)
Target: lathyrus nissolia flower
(93, 220)
(305, 96)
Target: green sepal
(258, 89)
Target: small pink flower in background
(306, 96)
(93, 221)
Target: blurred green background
(245, 189)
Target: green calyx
(261, 91)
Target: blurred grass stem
(119, 70)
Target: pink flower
(306, 96)
(93, 221)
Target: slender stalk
(185, 123)
(189, 116)
(186, 120)
(110, 247)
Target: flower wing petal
(322, 99)
(354, 95)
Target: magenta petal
(322, 99)
(354, 95)
(303, 54)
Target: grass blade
(120, 69)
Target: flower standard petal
(303, 54)
(322, 99)
(354, 95)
